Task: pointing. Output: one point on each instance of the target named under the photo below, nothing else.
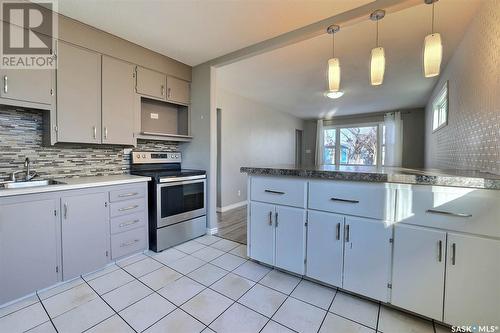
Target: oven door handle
(160, 185)
(183, 179)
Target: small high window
(440, 109)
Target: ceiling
(195, 31)
(293, 79)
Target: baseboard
(212, 231)
(233, 206)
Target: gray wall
(471, 138)
(252, 135)
(21, 136)
(309, 142)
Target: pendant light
(333, 68)
(377, 63)
(433, 49)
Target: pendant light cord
(432, 24)
(377, 35)
(333, 45)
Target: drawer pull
(128, 208)
(344, 200)
(442, 212)
(126, 224)
(125, 195)
(338, 231)
(132, 242)
(274, 192)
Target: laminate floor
(232, 225)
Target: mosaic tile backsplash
(21, 136)
(471, 140)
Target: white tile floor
(205, 285)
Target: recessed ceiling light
(334, 94)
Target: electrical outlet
(127, 151)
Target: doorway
(298, 147)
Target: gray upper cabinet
(151, 83)
(28, 246)
(178, 91)
(117, 101)
(78, 94)
(85, 233)
(26, 85)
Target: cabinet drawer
(127, 207)
(128, 242)
(127, 193)
(127, 222)
(456, 209)
(358, 199)
(289, 192)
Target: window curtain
(393, 139)
(319, 142)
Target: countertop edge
(75, 186)
(373, 177)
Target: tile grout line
(48, 315)
(328, 311)
(378, 315)
(116, 312)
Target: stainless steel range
(177, 201)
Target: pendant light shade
(433, 48)
(377, 66)
(334, 75)
(433, 52)
(377, 62)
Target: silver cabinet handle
(94, 129)
(5, 83)
(65, 209)
(344, 200)
(338, 231)
(128, 208)
(442, 212)
(274, 192)
(440, 250)
(125, 195)
(162, 90)
(105, 133)
(347, 236)
(276, 219)
(270, 218)
(453, 253)
(132, 242)
(126, 224)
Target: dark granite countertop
(457, 178)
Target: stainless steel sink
(31, 183)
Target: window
(440, 109)
(357, 145)
(329, 146)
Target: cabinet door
(84, 233)
(418, 270)
(367, 257)
(150, 83)
(325, 247)
(27, 85)
(178, 91)
(78, 94)
(28, 247)
(262, 232)
(117, 101)
(290, 238)
(472, 281)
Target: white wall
(471, 138)
(252, 135)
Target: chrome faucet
(27, 170)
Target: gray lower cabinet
(117, 101)
(29, 243)
(85, 233)
(78, 94)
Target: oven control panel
(142, 157)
